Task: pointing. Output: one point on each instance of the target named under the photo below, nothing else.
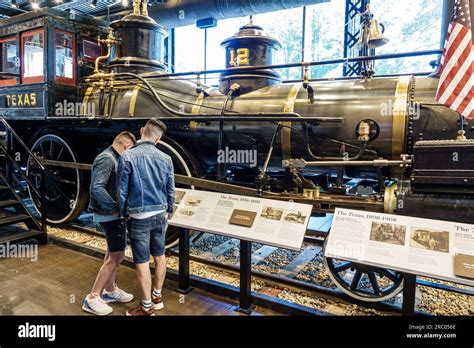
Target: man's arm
(170, 187)
(101, 171)
(123, 177)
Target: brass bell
(375, 38)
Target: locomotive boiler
(374, 143)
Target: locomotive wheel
(65, 196)
(184, 164)
(365, 283)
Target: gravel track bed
(429, 300)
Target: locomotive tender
(379, 143)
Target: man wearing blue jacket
(103, 203)
(145, 183)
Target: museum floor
(56, 283)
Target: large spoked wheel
(366, 283)
(65, 196)
(183, 164)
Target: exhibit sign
(267, 221)
(432, 248)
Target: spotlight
(35, 5)
(93, 4)
(14, 4)
(124, 3)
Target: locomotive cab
(44, 55)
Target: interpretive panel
(433, 248)
(267, 221)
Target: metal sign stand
(245, 292)
(183, 280)
(409, 293)
(245, 295)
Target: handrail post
(43, 210)
(9, 153)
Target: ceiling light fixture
(124, 3)
(14, 4)
(35, 5)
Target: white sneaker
(118, 295)
(96, 305)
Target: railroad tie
(300, 262)
(262, 253)
(220, 249)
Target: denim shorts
(147, 237)
(116, 234)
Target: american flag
(455, 88)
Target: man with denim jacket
(145, 185)
(103, 203)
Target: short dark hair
(126, 134)
(155, 127)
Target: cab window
(90, 50)
(32, 43)
(64, 57)
(8, 60)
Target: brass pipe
(110, 40)
(136, 7)
(145, 8)
(98, 59)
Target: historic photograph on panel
(388, 233)
(295, 216)
(192, 201)
(272, 213)
(429, 239)
(178, 196)
(186, 212)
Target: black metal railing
(13, 169)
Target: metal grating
(79, 6)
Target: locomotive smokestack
(251, 46)
(142, 42)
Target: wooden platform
(57, 282)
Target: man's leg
(106, 275)
(140, 241)
(115, 232)
(144, 280)
(117, 259)
(157, 249)
(160, 271)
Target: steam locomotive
(379, 143)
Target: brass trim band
(133, 99)
(399, 118)
(86, 99)
(195, 110)
(286, 131)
